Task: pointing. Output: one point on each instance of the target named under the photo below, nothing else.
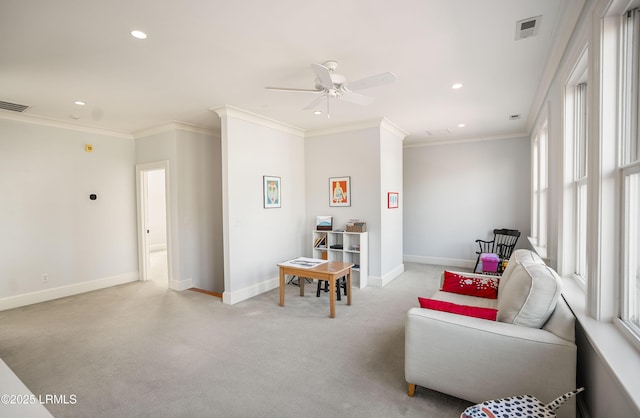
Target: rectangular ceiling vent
(528, 27)
(515, 117)
(13, 106)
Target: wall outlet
(45, 277)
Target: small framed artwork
(340, 191)
(392, 200)
(271, 191)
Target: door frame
(142, 215)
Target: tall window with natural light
(630, 167)
(540, 189)
(580, 180)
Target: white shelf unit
(355, 249)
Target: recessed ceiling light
(79, 103)
(461, 125)
(138, 34)
(457, 86)
(317, 112)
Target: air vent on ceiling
(13, 106)
(528, 27)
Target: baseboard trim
(248, 292)
(439, 261)
(39, 296)
(376, 281)
(206, 292)
(180, 285)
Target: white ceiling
(202, 54)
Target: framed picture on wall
(392, 200)
(340, 191)
(271, 192)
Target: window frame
(628, 168)
(580, 179)
(540, 187)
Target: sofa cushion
(464, 299)
(529, 296)
(480, 286)
(519, 256)
(474, 311)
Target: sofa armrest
(477, 360)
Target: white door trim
(142, 214)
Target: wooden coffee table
(330, 271)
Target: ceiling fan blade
(357, 98)
(372, 81)
(315, 102)
(323, 75)
(293, 90)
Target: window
(540, 189)
(629, 167)
(580, 181)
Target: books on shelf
(320, 242)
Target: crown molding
(54, 123)
(237, 113)
(176, 126)
(381, 123)
(366, 124)
(451, 141)
(393, 128)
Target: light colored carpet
(142, 350)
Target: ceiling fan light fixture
(329, 85)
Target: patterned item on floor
(524, 406)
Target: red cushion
(474, 311)
(484, 287)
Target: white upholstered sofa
(530, 348)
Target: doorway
(154, 243)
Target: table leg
(281, 286)
(301, 281)
(332, 297)
(349, 287)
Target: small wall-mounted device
(88, 148)
(93, 196)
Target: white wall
(194, 176)
(49, 224)
(391, 254)
(256, 239)
(457, 193)
(353, 153)
(200, 209)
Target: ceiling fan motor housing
(337, 79)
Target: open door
(153, 220)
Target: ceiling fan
(330, 84)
